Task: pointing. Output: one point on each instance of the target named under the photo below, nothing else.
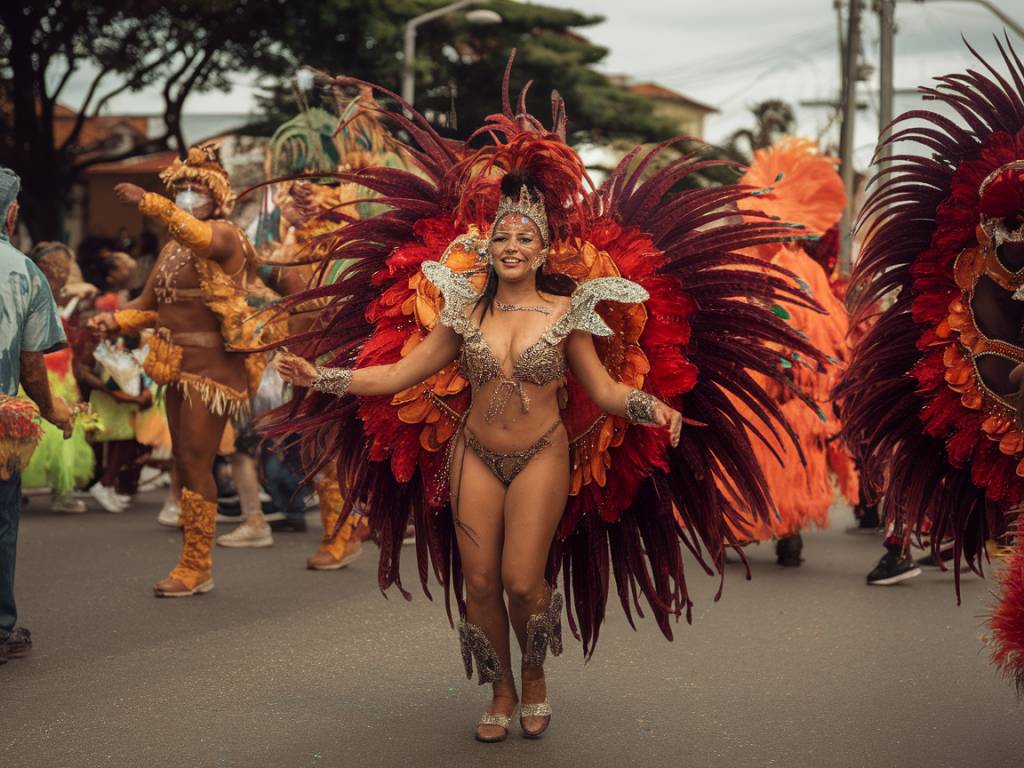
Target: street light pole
(991, 8)
(409, 47)
(849, 107)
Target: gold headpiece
(530, 206)
(202, 166)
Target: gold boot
(192, 575)
(336, 549)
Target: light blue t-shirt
(29, 321)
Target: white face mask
(189, 200)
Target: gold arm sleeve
(132, 320)
(192, 233)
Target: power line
(730, 60)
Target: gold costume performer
(309, 215)
(199, 310)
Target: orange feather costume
(801, 186)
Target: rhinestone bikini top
(543, 362)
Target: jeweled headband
(530, 206)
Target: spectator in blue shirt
(29, 328)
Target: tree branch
(173, 102)
(72, 68)
(193, 78)
(76, 130)
(127, 85)
(147, 147)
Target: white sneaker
(247, 535)
(152, 478)
(122, 499)
(106, 498)
(170, 513)
(67, 502)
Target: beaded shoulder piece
(458, 294)
(582, 314)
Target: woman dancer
(933, 398)
(510, 468)
(503, 325)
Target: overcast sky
(732, 53)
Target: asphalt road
(281, 667)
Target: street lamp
(991, 8)
(476, 16)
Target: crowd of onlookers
(104, 433)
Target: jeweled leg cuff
(544, 631)
(475, 645)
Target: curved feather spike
(559, 119)
(506, 101)
(522, 98)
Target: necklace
(520, 308)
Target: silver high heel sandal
(477, 648)
(543, 631)
(498, 719)
(535, 710)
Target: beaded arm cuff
(333, 381)
(132, 320)
(192, 233)
(640, 407)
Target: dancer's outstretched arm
(614, 397)
(429, 356)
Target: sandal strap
(535, 710)
(502, 721)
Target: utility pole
(887, 42)
(849, 108)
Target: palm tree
(773, 119)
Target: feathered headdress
(703, 335)
(202, 166)
(798, 185)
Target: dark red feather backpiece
(926, 402)
(709, 324)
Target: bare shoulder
(559, 304)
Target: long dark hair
(548, 282)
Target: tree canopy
(461, 65)
(186, 46)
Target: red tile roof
(655, 91)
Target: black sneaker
(892, 569)
(931, 561)
(18, 643)
(868, 520)
(289, 525)
(788, 550)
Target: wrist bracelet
(333, 381)
(132, 320)
(640, 407)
